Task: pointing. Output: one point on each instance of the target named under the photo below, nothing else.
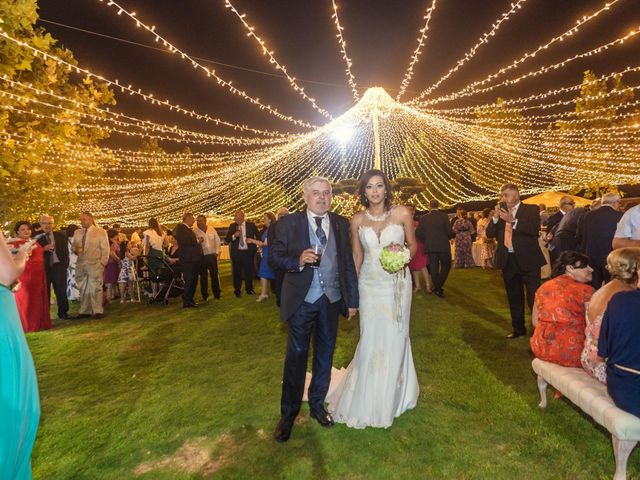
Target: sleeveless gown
(19, 401)
(380, 383)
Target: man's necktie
(320, 231)
(508, 234)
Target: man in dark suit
(312, 299)
(598, 228)
(565, 205)
(516, 226)
(190, 257)
(241, 237)
(56, 263)
(271, 235)
(434, 231)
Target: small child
(128, 275)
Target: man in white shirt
(210, 243)
(628, 229)
(242, 248)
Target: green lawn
(155, 392)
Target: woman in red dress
(31, 297)
(419, 262)
(559, 311)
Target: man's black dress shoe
(283, 430)
(237, 294)
(190, 305)
(217, 297)
(323, 417)
(251, 292)
(513, 335)
(83, 315)
(98, 316)
(439, 293)
(64, 316)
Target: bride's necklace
(376, 218)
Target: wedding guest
(154, 241)
(277, 283)
(474, 222)
(419, 262)
(516, 227)
(127, 275)
(190, 255)
(242, 252)
(544, 216)
(91, 244)
(210, 243)
(56, 263)
(73, 293)
(265, 272)
(111, 269)
(565, 205)
(623, 265)
(136, 236)
(20, 404)
(31, 298)
(434, 230)
(463, 230)
(619, 345)
(597, 230)
(122, 237)
(628, 229)
(560, 309)
(487, 245)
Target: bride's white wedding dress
(380, 383)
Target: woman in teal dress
(19, 401)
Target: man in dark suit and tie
(312, 299)
(598, 229)
(190, 257)
(434, 231)
(241, 237)
(56, 263)
(517, 227)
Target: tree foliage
(45, 153)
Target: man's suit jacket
(96, 246)
(553, 221)
(61, 246)
(524, 238)
(597, 229)
(251, 231)
(291, 239)
(434, 231)
(566, 235)
(189, 250)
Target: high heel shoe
(261, 298)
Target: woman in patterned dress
(463, 229)
(559, 311)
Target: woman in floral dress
(463, 229)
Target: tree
(588, 136)
(46, 154)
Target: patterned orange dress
(559, 334)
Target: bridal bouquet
(394, 257)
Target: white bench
(591, 396)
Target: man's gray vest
(326, 278)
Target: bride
(380, 383)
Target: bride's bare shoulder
(400, 212)
(357, 218)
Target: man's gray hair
(509, 186)
(610, 198)
(306, 186)
(45, 216)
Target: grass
(156, 392)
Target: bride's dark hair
(362, 187)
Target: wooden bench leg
(621, 450)
(542, 388)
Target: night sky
(380, 35)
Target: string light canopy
(454, 154)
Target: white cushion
(591, 396)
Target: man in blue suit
(312, 298)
